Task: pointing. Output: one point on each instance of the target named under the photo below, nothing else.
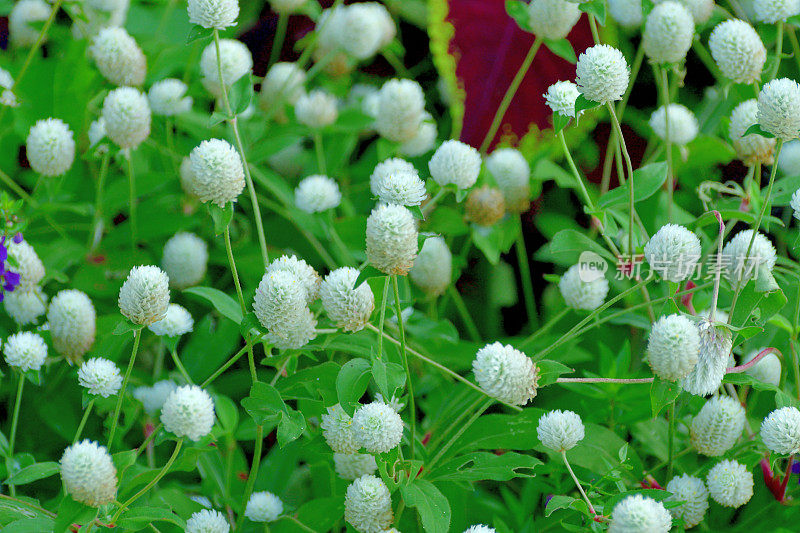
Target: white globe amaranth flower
(637, 513)
(741, 267)
(560, 430)
(284, 83)
(789, 160)
(512, 174)
(207, 521)
(316, 194)
(700, 10)
(479, 528)
(751, 148)
(683, 126)
(560, 98)
(400, 110)
(236, 62)
(100, 377)
(286, 6)
(433, 267)
(627, 13)
(768, 369)
(176, 322)
(349, 307)
(506, 374)
(337, 428)
(188, 411)
(780, 431)
(717, 426)
(673, 252)
(673, 347)
(89, 474)
(391, 239)
(118, 57)
(552, 19)
(153, 398)
(602, 74)
(377, 427)
(485, 206)
(795, 204)
(580, 294)
(25, 306)
(72, 320)
(772, 11)
(394, 402)
(126, 113)
(185, 259)
(263, 507)
(387, 167)
(29, 267)
(455, 162)
(381, 17)
(316, 109)
(737, 50)
(25, 351)
(668, 33)
(168, 97)
(305, 273)
(401, 188)
(368, 505)
(22, 21)
(425, 139)
(730, 483)
(218, 172)
(361, 32)
(50, 148)
(694, 495)
(217, 14)
(96, 133)
(354, 465)
(7, 96)
(779, 108)
(280, 304)
(144, 297)
(716, 343)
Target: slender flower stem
(430, 204)
(318, 149)
(346, 258)
(628, 381)
(235, 357)
(629, 166)
(97, 225)
(404, 355)
(115, 420)
(469, 323)
(382, 316)
(549, 324)
(180, 367)
(525, 276)
(593, 28)
(132, 197)
(280, 36)
(510, 92)
(795, 44)
(667, 141)
(577, 483)
(86, 413)
(670, 438)
(299, 524)
(763, 353)
(14, 422)
(718, 273)
(240, 296)
(778, 52)
(457, 434)
(251, 478)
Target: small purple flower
(18, 238)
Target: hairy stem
(115, 420)
(404, 355)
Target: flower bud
(89, 474)
(218, 172)
(368, 505)
(263, 507)
(207, 521)
(768, 368)
(217, 14)
(668, 33)
(100, 377)
(25, 306)
(751, 148)
(50, 147)
(433, 267)
(391, 239)
(673, 347)
(506, 374)
(457, 163)
(176, 322)
(683, 126)
(580, 294)
(184, 260)
(168, 98)
(316, 109)
(377, 427)
(552, 19)
(485, 206)
(740, 267)
(316, 194)
(560, 430)
(639, 513)
(779, 108)
(730, 483)
(354, 465)
(144, 297)
(772, 11)
(347, 306)
(188, 412)
(29, 267)
(126, 113)
(118, 58)
(236, 62)
(512, 174)
(738, 51)
(694, 495)
(561, 96)
(401, 108)
(23, 19)
(717, 426)
(72, 321)
(401, 188)
(780, 431)
(602, 74)
(25, 351)
(712, 359)
(673, 252)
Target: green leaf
(137, 518)
(431, 504)
(708, 218)
(224, 304)
(562, 48)
(560, 121)
(662, 393)
(560, 501)
(241, 94)
(573, 242)
(479, 466)
(368, 272)
(756, 129)
(264, 404)
(754, 308)
(198, 32)
(496, 240)
(352, 121)
(582, 104)
(125, 326)
(417, 212)
(550, 370)
(351, 383)
(291, 426)
(647, 180)
(596, 8)
(71, 512)
(32, 473)
(519, 11)
(217, 118)
(222, 216)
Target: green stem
(97, 231)
(550, 323)
(14, 422)
(312, 240)
(398, 66)
(671, 439)
(251, 479)
(346, 259)
(299, 523)
(667, 142)
(280, 36)
(382, 316)
(430, 204)
(132, 197)
(235, 357)
(458, 433)
(321, 167)
(180, 367)
(115, 420)
(593, 28)
(240, 296)
(795, 44)
(83, 421)
(577, 483)
(472, 329)
(525, 276)
(404, 355)
(629, 167)
(778, 52)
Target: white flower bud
(316, 194)
(218, 14)
(72, 321)
(694, 495)
(738, 51)
(361, 33)
(627, 13)
(304, 272)
(789, 160)
(354, 465)
(715, 347)
(401, 188)
(751, 148)
(337, 428)
(741, 267)
(506, 374)
(100, 377)
(286, 6)
(717, 426)
(457, 163)
(479, 528)
(347, 306)
(780, 431)
(25, 306)
(401, 109)
(637, 514)
(602, 74)
(668, 33)
(89, 474)
(391, 239)
(153, 398)
(561, 96)
(96, 133)
(280, 306)
(768, 369)
(683, 126)
(207, 521)
(425, 139)
(168, 97)
(730, 483)
(700, 10)
(512, 174)
(25, 351)
(118, 58)
(126, 113)
(580, 294)
(771, 11)
(673, 347)
(50, 147)
(176, 322)
(284, 83)
(485, 206)
(795, 204)
(188, 412)
(29, 267)
(23, 19)
(184, 259)
(552, 19)
(386, 168)
(7, 96)
(236, 62)
(560, 430)
(673, 252)
(263, 507)
(316, 109)
(218, 172)
(368, 505)
(144, 297)
(433, 267)
(377, 427)
(779, 108)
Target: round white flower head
(186, 176)
(283, 83)
(751, 148)
(779, 108)
(384, 169)
(22, 21)
(479, 528)
(96, 133)
(361, 32)
(552, 19)
(637, 513)
(768, 369)
(433, 267)
(316, 194)
(401, 188)
(263, 507)
(50, 147)
(144, 297)
(218, 14)
(188, 412)
(118, 58)
(673, 347)
(512, 174)
(789, 160)
(168, 97)
(354, 465)
(400, 110)
(25, 351)
(207, 521)
(153, 398)
(218, 172)
(771, 11)
(694, 495)
(72, 321)
(126, 113)
(580, 294)
(683, 126)
(381, 17)
(316, 109)
(236, 62)
(485, 206)
(738, 51)
(349, 307)
(304, 272)
(457, 163)
(715, 347)
(280, 304)
(29, 267)
(100, 377)
(368, 505)
(673, 252)
(286, 6)
(337, 428)
(560, 430)
(700, 10)
(561, 96)
(602, 74)
(25, 306)
(506, 374)
(741, 267)
(627, 13)
(377, 427)
(425, 139)
(780, 431)
(89, 474)
(176, 322)
(668, 33)
(730, 483)
(184, 259)
(391, 239)
(795, 204)
(717, 426)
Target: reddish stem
(763, 353)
